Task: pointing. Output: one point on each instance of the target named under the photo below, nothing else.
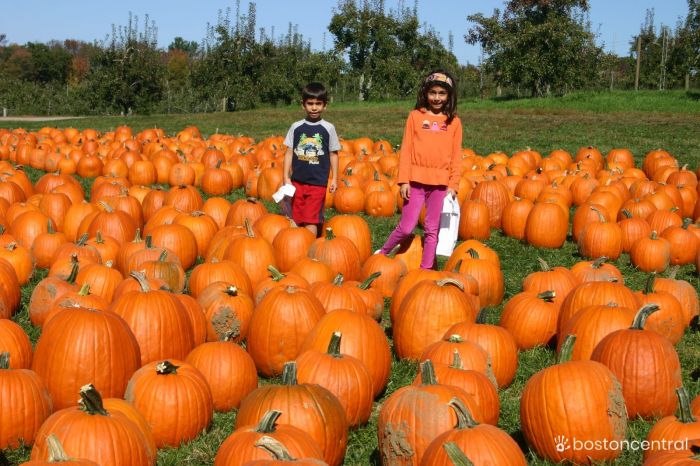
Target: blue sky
(614, 21)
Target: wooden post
(223, 104)
(687, 82)
(639, 56)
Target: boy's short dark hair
(314, 90)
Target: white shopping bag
(449, 226)
(283, 198)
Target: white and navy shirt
(312, 144)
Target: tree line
(531, 48)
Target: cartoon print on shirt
(435, 126)
(310, 149)
(425, 124)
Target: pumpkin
(575, 400)
(531, 318)
(646, 364)
(674, 430)
(48, 290)
(598, 270)
(669, 319)
(651, 254)
(338, 252)
(290, 245)
(683, 291)
(174, 398)
(56, 454)
(228, 311)
(560, 280)
(589, 293)
(337, 296)
(309, 407)
(344, 376)
(390, 270)
(547, 225)
(600, 238)
(227, 271)
(252, 252)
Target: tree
(386, 51)
(189, 47)
(542, 45)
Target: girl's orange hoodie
(431, 150)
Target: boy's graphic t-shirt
(312, 144)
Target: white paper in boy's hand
(285, 190)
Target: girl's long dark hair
(450, 108)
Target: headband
(440, 77)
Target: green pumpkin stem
(275, 448)
(640, 319)
(91, 400)
(456, 455)
(75, 267)
(649, 285)
(685, 413)
(544, 266)
(98, 237)
(166, 368)
(140, 277)
(149, 242)
(56, 452)
(368, 281)
(455, 339)
(338, 280)
(654, 235)
(427, 373)
(548, 295)
(598, 263)
(137, 236)
(686, 223)
(82, 240)
(482, 315)
(49, 227)
(673, 271)
(329, 234)
(84, 290)
(268, 423)
(457, 266)
(274, 273)
(456, 361)
(163, 255)
(626, 213)
(567, 349)
(334, 345)
(4, 360)
(465, 420)
(289, 373)
(473, 253)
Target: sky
(613, 21)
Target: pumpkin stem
(163, 255)
(268, 423)
(11, 246)
(649, 285)
(685, 413)
(598, 263)
(275, 448)
(473, 253)
(654, 235)
(427, 373)
(450, 281)
(455, 339)
(481, 316)
(548, 295)
(640, 319)
(248, 228)
(456, 455)
(329, 234)
(673, 271)
(91, 400)
(334, 345)
(686, 223)
(457, 266)
(140, 277)
(56, 452)
(73, 269)
(338, 280)
(274, 273)
(137, 236)
(108, 208)
(626, 213)
(567, 349)
(368, 282)
(289, 373)
(543, 265)
(5, 360)
(601, 217)
(465, 420)
(149, 242)
(166, 367)
(456, 361)
(231, 290)
(49, 227)
(82, 240)
(84, 290)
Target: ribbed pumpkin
(159, 321)
(225, 271)
(558, 279)
(276, 279)
(684, 292)
(391, 272)
(339, 253)
(279, 325)
(414, 415)
(531, 318)
(547, 225)
(89, 431)
(651, 254)
(669, 319)
(344, 376)
(646, 364)
(56, 454)
(309, 407)
(337, 296)
(80, 346)
(48, 290)
(598, 270)
(427, 312)
(356, 229)
(487, 274)
(672, 429)
(573, 399)
(590, 293)
(600, 238)
(27, 403)
(174, 398)
(290, 245)
(240, 447)
(363, 338)
(228, 311)
(481, 443)
(15, 341)
(252, 252)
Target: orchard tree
(545, 46)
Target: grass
(640, 121)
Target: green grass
(641, 122)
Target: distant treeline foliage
(533, 48)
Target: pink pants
(432, 196)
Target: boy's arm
(334, 171)
(287, 167)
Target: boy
(312, 154)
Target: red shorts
(308, 203)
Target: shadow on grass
(693, 95)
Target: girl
(429, 162)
